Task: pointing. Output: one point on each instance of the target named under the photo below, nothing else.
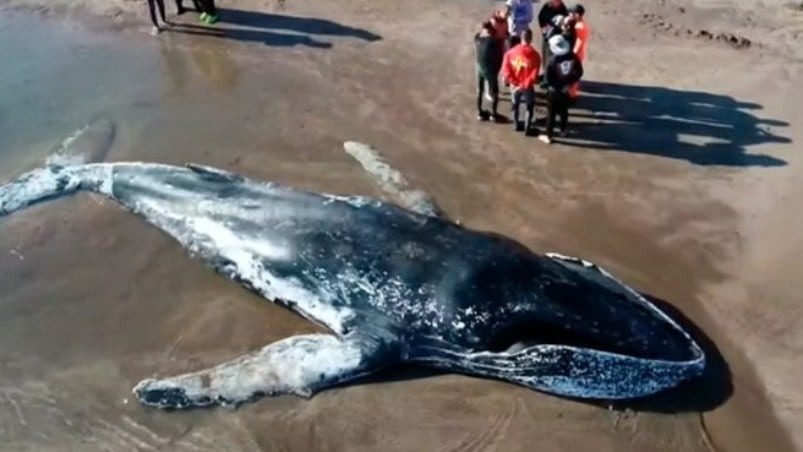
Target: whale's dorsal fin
(392, 181)
(213, 174)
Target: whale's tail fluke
(71, 166)
(53, 181)
(391, 180)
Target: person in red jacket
(520, 67)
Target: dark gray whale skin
(393, 285)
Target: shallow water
(165, 97)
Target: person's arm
(506, 67)
(579, 37)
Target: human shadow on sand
(702, 128)
(268, 38)
(701, 394)
(275, 29)
(297, 24)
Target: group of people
(205, 7)
(504, 45)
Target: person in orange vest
(581, 34)
(520, 67)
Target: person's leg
(161, 5)
(480, 92)
(493, 87)
(152, 11)
(563, 111)
(544, 58)
(515, 101)
(529, 119)
(550, 113)
(210, 8)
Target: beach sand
(682, 178)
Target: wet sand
(681, 180)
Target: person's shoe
(482, 115)
(545, 139)
(203, 17)
(181, 10)
(519, 126)
(211, 19)
(155, 31)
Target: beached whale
(393, 284)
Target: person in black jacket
(563, 70)
(489, 53)
(546, 17)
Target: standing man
(519, 16)
(563, 70)
(520, 67)
(489, 53)
(546, 21)
(581, 34)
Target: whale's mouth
(520, 335)
(593, 311)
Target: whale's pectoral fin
(301, 365)
(392, 181)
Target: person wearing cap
(580, 48)
(562, 71)
(520, 67)
(489, 53)
(546, 18)
(519, 16)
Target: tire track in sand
(480, 440)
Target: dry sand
(683, 179)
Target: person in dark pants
(152, 6)
(562, 71)
(489, 52)
(520, 67)
(209, 14)
(546, 18)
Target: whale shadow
(702, 128)
(704, 393)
